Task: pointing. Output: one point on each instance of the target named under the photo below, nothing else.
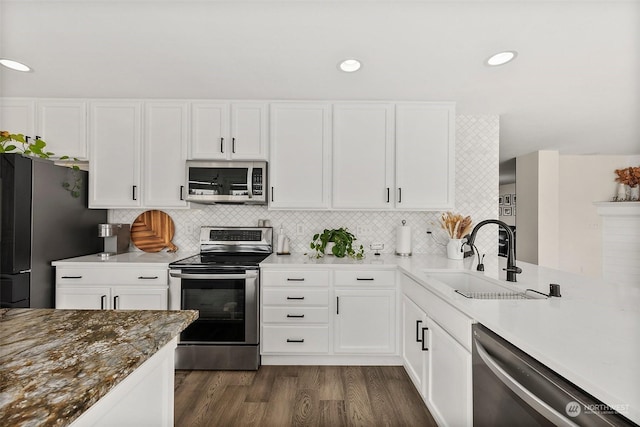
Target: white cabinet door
(17, 116)
(415, 345)
(363, 156)
(450, 380)
(249, 131)
(425, 156)
(114, 181)
(164, 154)
(135, 298)
(209, 130)
(83, 298)
(365, 321)
(62, 124)
(300, 150)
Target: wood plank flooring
(281, 396)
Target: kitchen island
(59, 367)
(590, 335)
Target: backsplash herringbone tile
(477, 144)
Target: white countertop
(591, 335)
(132, 259)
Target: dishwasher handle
(527, 396)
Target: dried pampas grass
(456, 225)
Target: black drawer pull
(418, 335)
(115, 302)
(289, 279)
(295, 298)
(290, 340)
(134, 194)
(296, 316)
(371, 279)
(147, 277)
(103, 300)
(222, 145)
(182, 192)
(71, 277)
(424, 340)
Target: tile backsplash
(476, 194)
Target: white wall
(582, 181)
(538, 197)
(477, 144)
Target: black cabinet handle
(369, 279)
(292, 340)
(71, 277)
(295, 298)
(337, 305)
(289, 279)
(134, 194)
(103, 301)
(222, 145)
(147, 277)
(424, 340)
(182, 192)
(418, 335)
(388, 195)
(233, 145)
(115, 301)
(399, 195)
(272, 194)
(295, 316)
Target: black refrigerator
(41, 222)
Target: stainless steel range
(222, 283)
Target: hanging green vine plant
(27, 146)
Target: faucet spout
(511, 269)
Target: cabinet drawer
(295, 297)
(111, 276)
(295, 315)
(295, 339)
(365, 278)
(295, 278)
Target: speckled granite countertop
(55, 364)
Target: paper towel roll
(403, 240)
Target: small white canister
(454, 249)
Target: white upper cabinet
(300, 153)
(225, 131)
(62, 124)
(425, 156)
(17, 116)
(363, 156)
(115, 142)
(249, 133)
(164, 154)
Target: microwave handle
(250, 181)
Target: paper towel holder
(403, 253)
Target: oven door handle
(213, 276)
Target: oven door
(228, 306)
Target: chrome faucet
(511, 269)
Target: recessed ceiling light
(14, 65)
(502, 58)
(349, 65)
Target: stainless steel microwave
(240, 182)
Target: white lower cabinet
(434, 357)
(365, 321)
(109, 287)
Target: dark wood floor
(299, 396)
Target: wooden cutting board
(152, 231)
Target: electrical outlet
(189, 229)
(299, 229)
(363, 230)
(376, 246)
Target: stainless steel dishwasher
(510, 388)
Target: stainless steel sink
(474, 286)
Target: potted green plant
(339, 241)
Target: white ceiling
(575, 86)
